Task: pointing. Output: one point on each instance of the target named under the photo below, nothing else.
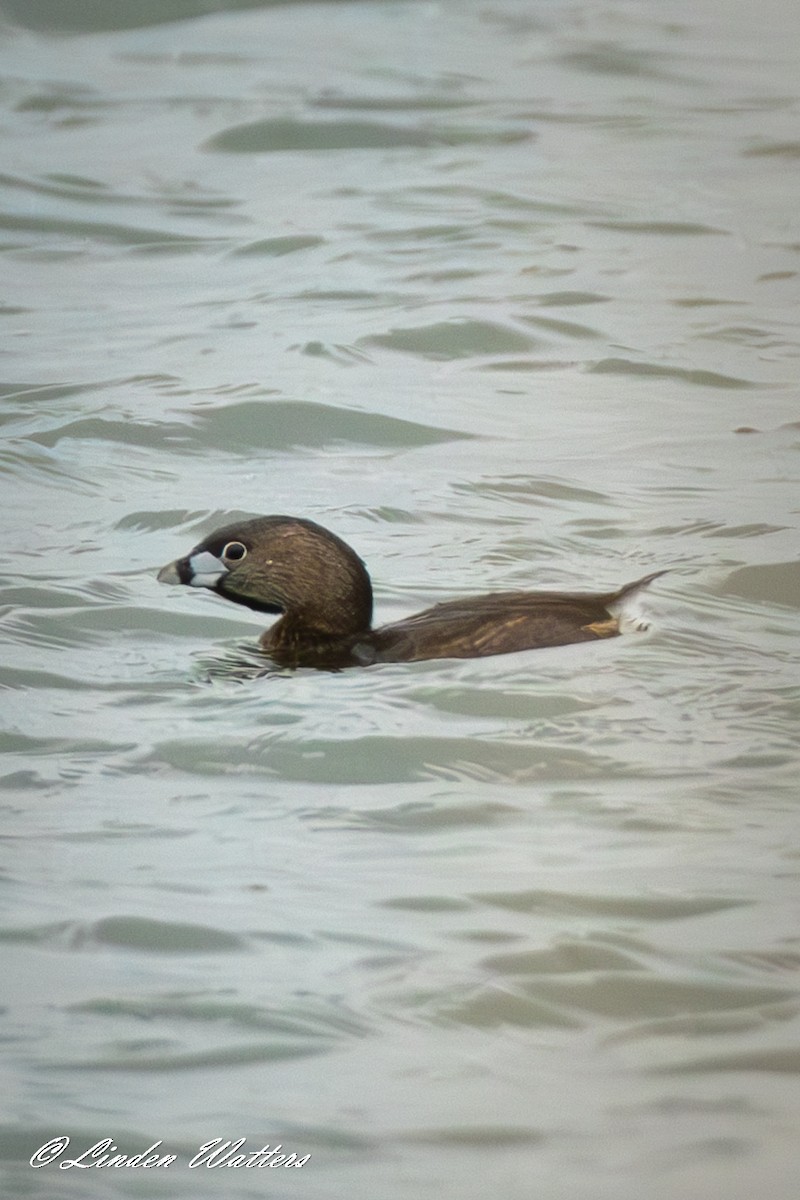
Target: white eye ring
(234, 551)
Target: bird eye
(234, 551)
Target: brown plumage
(321, 589)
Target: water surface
(505, 294)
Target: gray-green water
(505, 293)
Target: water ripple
(283, 134)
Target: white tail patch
(628, 609)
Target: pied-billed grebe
(293, 567)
